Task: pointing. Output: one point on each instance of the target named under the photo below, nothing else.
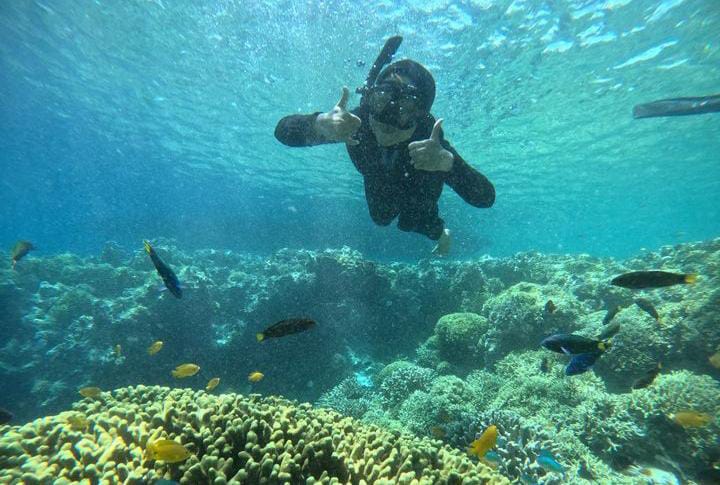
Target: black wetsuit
(393, 188)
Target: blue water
(127, 120)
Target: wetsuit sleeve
(468, 183)
(299, 131)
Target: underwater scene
(306, 241)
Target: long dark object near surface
(385, 56)
(678, 107)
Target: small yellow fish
(118, 351)
(78, 422)
(485, 442)
(155, 347)
(691, 419)
(255, 376)
(91, 392)
(168, 451)
(212, 384)
(715, 359)
(185, 370)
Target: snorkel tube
(386, 54)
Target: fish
(714, 359)
(691, 419)
(678, 107)
(5, 416)
(168, 451)
(581, 363)
(486, 442)
(78, 422)
(286, 327)
(185, 370)
(491, 459)
(550, 307)
(168, 276)
(255, 376)
(647, 306)
(609, 331)
(91, 392)
(155, 347)
(549, 463)
(212, 384)
(118, 351)
(648, 378)
(611, 314)
(19, 251)
(568, 343)
(637, 280)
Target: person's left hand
(429, 154)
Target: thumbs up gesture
(429, 154)
(338, 124)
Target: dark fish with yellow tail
(168, 276)
(648, 378)
(637, 280)
(568, 343)
(285, 327)
(19, 251)
(647, 306)
(611, 314)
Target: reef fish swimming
(155, 347)
(637, 280)
(648, 378)
(166, 273)
(212, 384)
(609, 331)
(185, 370)
(19, 251)
(646, 305)
(486, 442)
(568, 343)
(168, 451)
(549, 463)
(256, 376)
(581, 363)
(611, 314)
(91, 392)
(5, 416)
(286, 327)
(691, 419)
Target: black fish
(611, 314)
(648, 378)
(648, 307)
(20, 250)
(285, 327)
(609, 331)
(678, 107)
(5, 416)
(550, 307)
(652, 279)
(568, 343)
(168, 276)
(581, 363)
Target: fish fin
(690, 278)
(260, 337)
(565, 351)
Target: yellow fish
(255, 376)
(212, 384)
(691, 419)
(168, 451)
(485, 442)
(185, 370)
(91, 392)
(155, 347)
(118, 351)
(715, 359)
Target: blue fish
(581, 363)
(549, 464)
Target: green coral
(457, 337)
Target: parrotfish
(166, 273)
(581, 363)
(286, 327)
(568, 343)
(637, 280)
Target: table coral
(231, 438)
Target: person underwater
(398, 147)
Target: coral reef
(231, 439)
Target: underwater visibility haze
(192, 293)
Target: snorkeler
(397, 145)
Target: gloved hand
(338, 124)
(429, 154)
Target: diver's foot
(443, 245)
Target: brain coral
(231, 438)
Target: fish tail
(605, 344)
(148, 248)
(260, 337)
(690, 278)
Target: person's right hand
(338, 124)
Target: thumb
(435, 135)
(342, 104)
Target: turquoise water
(159, 117)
